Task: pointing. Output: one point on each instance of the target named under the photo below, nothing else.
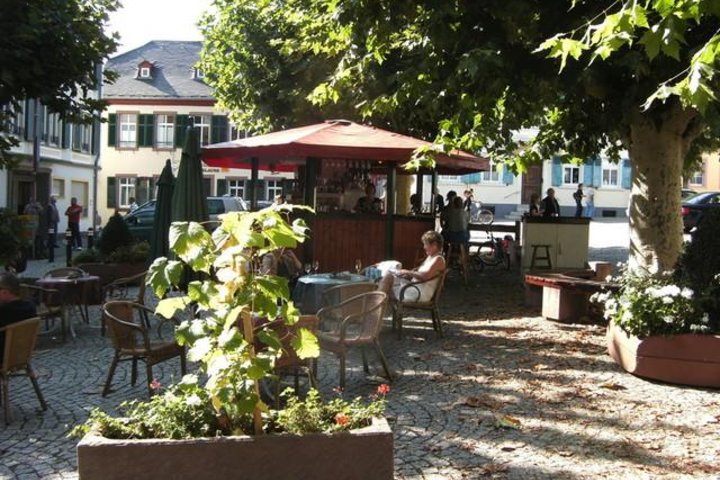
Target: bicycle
(492, 252)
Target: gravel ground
(505, 394)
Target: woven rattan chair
(401, 304)
(359, 326)
(289, 363)
(131, 340)
(49, 306)
(19, 344)
(120, 290)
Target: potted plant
(667, 326)
(13, 241)
(220, 426)
(116, 254)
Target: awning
(333, 139)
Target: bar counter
(338, 239)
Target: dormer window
(198, 74)
(145, 70)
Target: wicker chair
(130, 334)
(360, 325)
(49, 306)
(120, 290)
(289, 363)
(401, 304)
(19, 344)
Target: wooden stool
(462, 253)
(545, 258)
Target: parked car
(687, 193)
(140, 222)
(693, 208)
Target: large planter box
(361, 454)
(686, 359)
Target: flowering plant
(646, 305)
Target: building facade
(65, 167)
(158, 95)
(707, 178)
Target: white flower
(667, 300)
(669, 290)
(686, 293)
(668, 319)
(193, 400)
(626, 316)
(608, 278)
(705, 318)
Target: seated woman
(433, 264)
(369, 203)
(283, 263)
(455, 223)
(534, 210)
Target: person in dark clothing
(534, 210)
(550, 205)
(12, 308)
(578, 196)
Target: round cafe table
(76, 291)
(308, 291)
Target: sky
(139, 21)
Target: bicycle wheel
(485, 217)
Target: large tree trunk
(657, 151)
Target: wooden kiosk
(333, 161)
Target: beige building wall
(710, 180)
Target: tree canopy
(49, 50)
(470, 74)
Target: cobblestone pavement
(504, 394)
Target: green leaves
(306, 344)
(164, 274)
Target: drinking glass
(358, 265)
(316, 267)
(308, 268)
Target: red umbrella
(333, 139)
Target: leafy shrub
(11, 241)
(648, 305)
(136, 253)
(116, 234)
(699, 266)
(91, 255)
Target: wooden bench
(565, 295)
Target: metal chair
(49, 305)
(20, 338)
(402, 303)
(130, 336)
(360, 325)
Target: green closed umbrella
(163, 212)
(188, 201)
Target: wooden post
(390, 211)
(310, 184)
(249, 337)
(254, 164)
(433, 187)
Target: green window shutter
(111, 193)
(146, 130)
(66, 134)
(507, 176)
(557, 172)
(219, 132)
(181, 124)
(112, 129)
(221, 187)
(626, 173)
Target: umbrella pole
(390, 211)
(254, 163)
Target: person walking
(578, 196)
(73, 213)
(550, 205)
(53, 218)
(590, 203)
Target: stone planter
(366, 453)
(685, 359)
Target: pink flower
(383, 389)
(155, 385)
(342, 419)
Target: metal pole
(390, 211)
(254, 165)
(36, 148)
(96, 146)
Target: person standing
(12, 308)
(550, 205)
(578, 196)
(34, 209)
(590, 203)
(53, 218)
(73, 213)
(133, 204)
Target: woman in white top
(433, 264)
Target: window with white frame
(492, 175)
(144, 72)
(610, 174)
(236, 188)
(126, 191)
(58, 187)
(697, 178)
(164, 130)
(51, 128)
(81, 138)
(199, 74)
(14, 119)
(571, 174)
(273, 188)
(80, 190)
(202, 123)
(237, 133)
(128, 130)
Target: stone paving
(504, 394)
